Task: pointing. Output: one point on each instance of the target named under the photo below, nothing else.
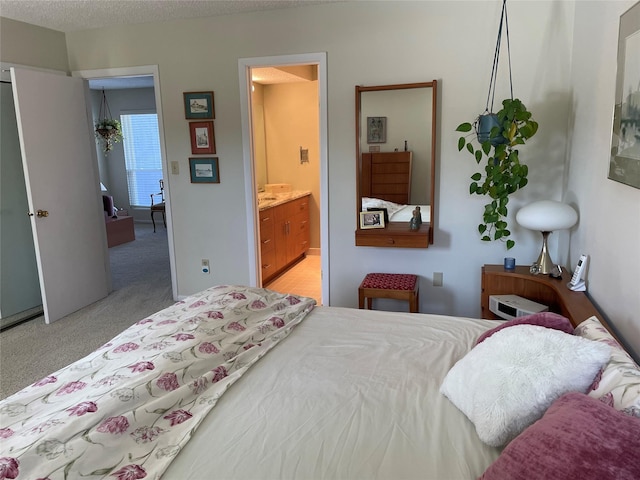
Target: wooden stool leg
(360, 299)
(413, 303)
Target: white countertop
(268, 200)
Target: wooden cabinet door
(298, 228)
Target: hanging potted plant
(498, 136)
(503, 173)
(107, 129)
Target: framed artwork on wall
(204, 170)
(376, 129)
(202, 137)
(624, 164)
(198, 105)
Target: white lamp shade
(547, 216)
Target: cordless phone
(576, 283)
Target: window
(143, 162)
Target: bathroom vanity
(284, 230)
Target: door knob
(40, 213)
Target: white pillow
(508, 381)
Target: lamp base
(544, 265)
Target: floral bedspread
(127, 409)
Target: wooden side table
(544, 289)
(119, 230)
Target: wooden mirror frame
(396, 234)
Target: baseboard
(313, 251)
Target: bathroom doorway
(286, 149)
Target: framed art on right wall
(624, 164)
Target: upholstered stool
(399, 286)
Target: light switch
(175, 167)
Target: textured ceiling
(73, 15)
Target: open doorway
(124, 87)
(285, 151)
(132, 180)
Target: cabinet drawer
(268, 264)
(300, 205)
(266, 219)
(267, 243)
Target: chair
(399, 286)
(158, 207)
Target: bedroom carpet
(141, 282)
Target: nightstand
(544, 289)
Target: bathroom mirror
(396, 160)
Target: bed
(396, 212)
(244, 383)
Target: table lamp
(546, 216)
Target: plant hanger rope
(104, 107)
(504, 21)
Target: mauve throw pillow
(543, 319)
(578, 438)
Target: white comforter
(350, 394)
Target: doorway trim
(244, 73)
(150, 70)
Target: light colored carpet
(141, 282)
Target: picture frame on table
(204, 170)
(372, 219)
(199, 105)
(202, 137)
(624, 162)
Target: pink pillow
(543, 319)
(578, 438)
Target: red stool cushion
(390, 281)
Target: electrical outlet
(205, 265)
(437, 279)
(175, 167)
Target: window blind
(141, 143)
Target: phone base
(578, 287)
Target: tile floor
(302, 279)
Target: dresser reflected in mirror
(396, 160)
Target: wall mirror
(396, 160)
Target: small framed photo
(204, 170)
(202, 137)
(372, 219)
(198, 105)
(376, 129)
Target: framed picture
(385, 213)
(202, 138)
(204, 170)
(198, 105)
(624, 163)
(376, 129)
(372, 219)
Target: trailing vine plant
(503, 173)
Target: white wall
(411, 42)
(609, 226)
